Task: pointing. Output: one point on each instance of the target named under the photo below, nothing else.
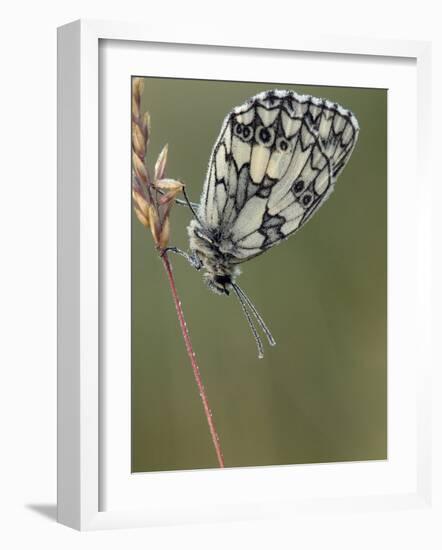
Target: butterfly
(274, 164)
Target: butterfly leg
(194, 205)
(193, 259)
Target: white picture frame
(82, 468)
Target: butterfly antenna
(255, 312)
(249, 320)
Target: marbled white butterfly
(273, 165)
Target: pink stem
(190, 353)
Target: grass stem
(191, 354)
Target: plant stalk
(191, 354)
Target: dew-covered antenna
(255, 312)
(250, 322)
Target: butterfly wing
(274, 164)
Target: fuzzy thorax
(220, 272)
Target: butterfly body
(207, 247)
(275, 162)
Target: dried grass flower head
(153, 197)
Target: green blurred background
(320, 395)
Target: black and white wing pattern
(274, 164)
